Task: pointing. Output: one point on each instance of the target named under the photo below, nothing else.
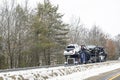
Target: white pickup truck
(71, 54)
(72, 49)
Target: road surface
(112, 75)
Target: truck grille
(71, 60)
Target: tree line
(35, 37)
(81, 35)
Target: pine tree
(49, 31)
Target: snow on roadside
(77, 72)
(96, 70)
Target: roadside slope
(76, 72)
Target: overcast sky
(104, 13)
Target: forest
(38, 36)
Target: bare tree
(78, 33)
(110, 47)
(14, 28)
(117, 42)
(96, 36)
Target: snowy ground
(77, 72)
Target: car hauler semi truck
(74, 54)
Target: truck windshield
(70, 46)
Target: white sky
(104, 13)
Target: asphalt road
(112, 75)
(115, 77)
